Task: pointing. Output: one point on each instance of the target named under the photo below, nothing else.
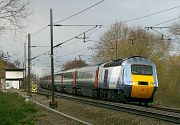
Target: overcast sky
(106, 13)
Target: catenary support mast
(53, 104)
(29, 64)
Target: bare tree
(74, 64)
(12, 14)
(175, 32)
(175, 29)
(121, 41)
(17, 63)
(10, 65)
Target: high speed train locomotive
(130, 79)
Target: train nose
(141, 92)
(143, 87)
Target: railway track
(160, 113)
(167, 109)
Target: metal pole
(24, 77)
(29, 64)
(75, 63)
(25, 66)
(116, 49)
(53, 104)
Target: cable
(78, 40)
(80, 12)
(63, 42)
(74, 37)
(141, 17)
(37, 32)
(139, 30)
(166, 21)
(71, 43)
(103, 26)
(40, 55)
(94, 31)
(74, 52)
(165, 36)
(109, 25)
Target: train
(133, 79)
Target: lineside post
(52, 104)
(25, 84)
(29, 65)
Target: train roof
(88, 67)
(79, 69)
(119, 62)
(69, 70)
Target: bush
(169, 77)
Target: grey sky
(105, 13)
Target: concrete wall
(14, 74)
(13, 79)
(12, 84)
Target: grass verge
(15, 111)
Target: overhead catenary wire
(148, 15)
(153, 14)
(77, 25)
(141, 17)
(66, 18)
(37, 32)
(139, 30)
(40, 55)
(166, 21)
(74, 52)
(90, 33)
(165, 36)
(142, 29)
(63, 42)
(79, 12)
(151, 27)
(111, 25)
(74, 37)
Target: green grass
(15, 111)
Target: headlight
(134, 83)
(130, 82)
(152, 83)
(155, 84)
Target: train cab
(140, 79)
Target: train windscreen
(141, 70)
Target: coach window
(105, 77)
(142, 69)
(7, 84)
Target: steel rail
(166, 109)
(172, 116)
